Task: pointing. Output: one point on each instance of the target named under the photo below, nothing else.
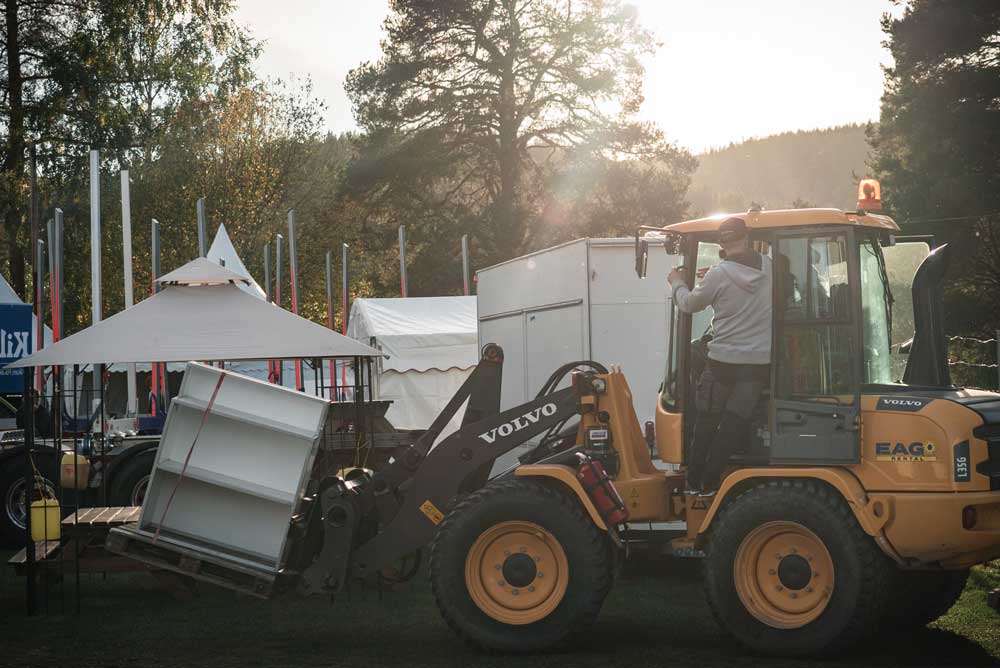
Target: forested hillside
(814, 167)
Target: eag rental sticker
(901, 404)
(917, 451)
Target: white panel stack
(247, 472)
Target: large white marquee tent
(429, 347)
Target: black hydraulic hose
(557, 375)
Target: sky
(727, 70)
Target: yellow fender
(564, 476)
(872, 512)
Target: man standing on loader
(739, 291)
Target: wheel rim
(784, 575)
(14, 501)
(139, 490)
(516, 572)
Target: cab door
(816, 353)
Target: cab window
(814, 345)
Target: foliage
(787, 170)
(106, 74)
(476, 109)
(937, 145)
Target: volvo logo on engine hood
(903, 404)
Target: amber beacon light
(869, 195)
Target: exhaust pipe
(928, 360)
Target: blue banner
(15, 343)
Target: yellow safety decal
(431, 511)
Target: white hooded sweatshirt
(740, 295)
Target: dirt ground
(655, 616)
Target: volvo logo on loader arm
(518, 423)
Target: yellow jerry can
(45, 519)
(74, 474)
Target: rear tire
(766, 573)
(493, 600)
(12, 496)
(129, 483)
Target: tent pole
(465, 265)
(329, 313)
(157, 371)
(278, 364)
(202, 229)
(33, 212)
(267, 297)
(402, 262)
(39, 262)
(132, 405)
(95, 253)
(293, 272)
(345, 303)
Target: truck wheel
(921, 597)
(128, 484)
(13, 498)
(519, 567)
(790, 572)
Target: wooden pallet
(170, 554)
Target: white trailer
(577, 301)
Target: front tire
(519, 567)
(790, 572)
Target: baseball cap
(732, 229)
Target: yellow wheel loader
(856, 502)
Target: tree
(937, 147)
(475, 104)
(106, 74)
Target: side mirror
(641, 256)
(672, 243)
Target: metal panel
(555, 275)
(554, 336)
(246, 473)
(634, 337)
(508, 333)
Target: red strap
(204, 418)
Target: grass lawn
(648, 620)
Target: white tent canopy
(203, 322)
(419, 333)
(432, 347)
(223, 253)
(201, 271)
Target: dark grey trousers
(726, 397)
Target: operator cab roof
(781, 218)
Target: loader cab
(832, 307)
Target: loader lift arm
(372, 523)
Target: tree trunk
(13, 163)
